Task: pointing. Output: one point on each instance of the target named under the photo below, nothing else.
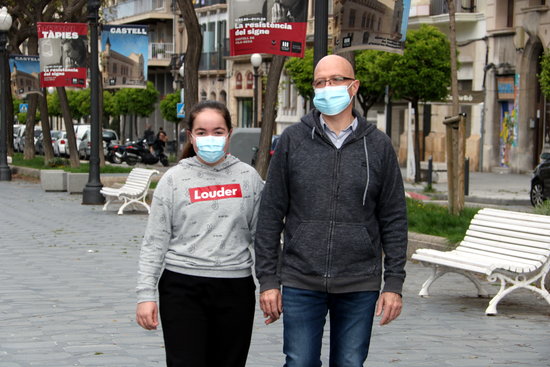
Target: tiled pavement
(67, 278)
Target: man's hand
(147, 315)
(389, 306)
(271, 304)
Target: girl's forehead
(209, 119)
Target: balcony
(137, 10)
(215, 60)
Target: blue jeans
(304, 315)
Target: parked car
(540, 181)
(61, 145)
(39, 145)
(37, 132)
(18, 131)
(85, 146)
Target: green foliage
(168, 107)
(136, 101)
(79, 103)
(300, 71)
(22, 116)
(54, 107)
(544, 76)
(435, 220)
(423, 72)
(543, 209)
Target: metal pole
(255, 117)
(320, 43)
(5, 172)
(91, 194)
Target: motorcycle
(139, 152)
(115, 153)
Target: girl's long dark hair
(188, 150)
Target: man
(334, 186)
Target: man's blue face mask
(331, 100)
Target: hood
(194, 163)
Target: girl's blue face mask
(210, 148)
(331, 100)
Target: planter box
(53, 180)
(76, 182)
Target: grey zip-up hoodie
(202, 223)
(341, 210)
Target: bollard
(430, 172)
(466, 176)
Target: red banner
(62, 48)
(272, 27)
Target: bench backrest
(139, 179)
(514, 237)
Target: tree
(270, 113)
(168, 110)
(193, 52)
(136, 102)
(301, 74)
(371, 69)
(544, 76)
(422, 73)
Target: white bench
(506, 246)
(134, 190)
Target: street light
(5, 25)
(91, 193)
(256, 61)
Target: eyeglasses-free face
(335, 80)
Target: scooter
(115, 153)
(139, 152)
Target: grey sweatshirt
(202, 223)
(342, 210)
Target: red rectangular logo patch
(215, 192)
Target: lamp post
(91, 193)
(5, 25)
(256, 61)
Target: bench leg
(109, 199)
(438, 271)
(518, 282)
(133, 202)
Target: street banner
(276, 27)
(62, 48)
(25, 75)
(376, 25)
(123, 57)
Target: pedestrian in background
(201, 227)
(334, 187)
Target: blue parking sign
(180, 110)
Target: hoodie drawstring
(313, 133)
(368, 169)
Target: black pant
(206, 322)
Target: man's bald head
(333, 65)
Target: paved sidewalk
(67, 278)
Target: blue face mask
(211, 148)
(332, 100)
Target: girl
(201, 227)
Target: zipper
(333, 201)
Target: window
(351, 20)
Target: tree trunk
(46, 135)
(9, 110)
(270, 113)
(29, 129)
(417, 157)
(71, 137)
(192, 55)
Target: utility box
(244, 144)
